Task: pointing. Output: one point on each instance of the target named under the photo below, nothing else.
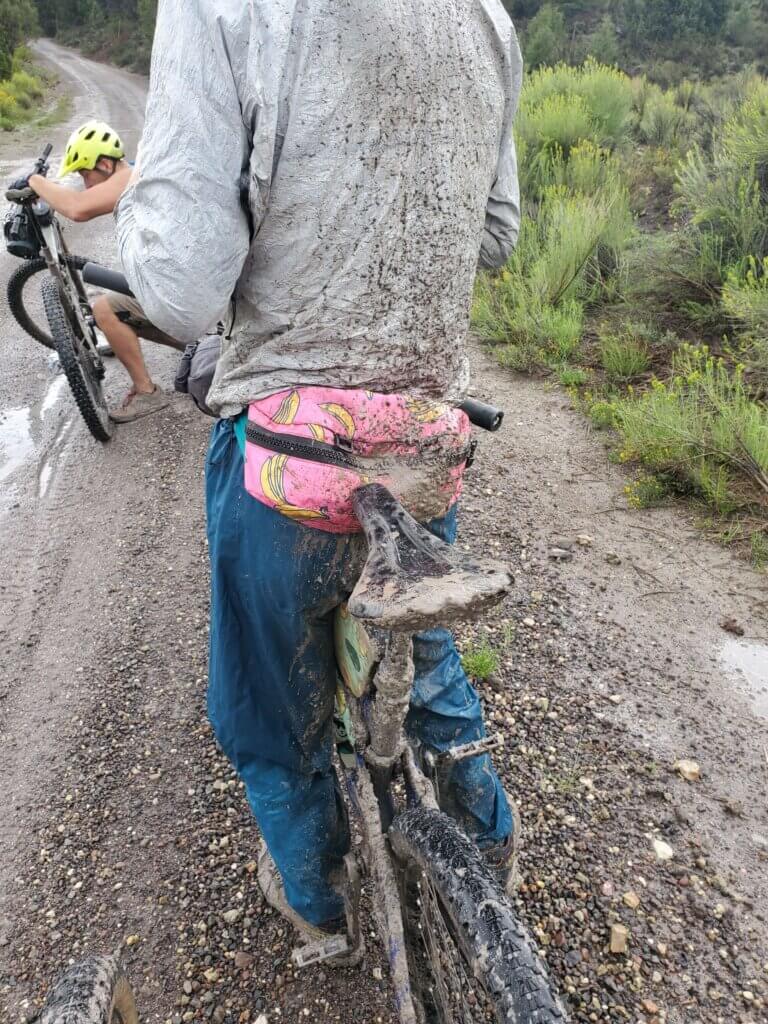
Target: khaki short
(130, 312)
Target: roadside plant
(623, 356)
(701, 428)
(480, 660)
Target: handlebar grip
(97, 275)
(41, 164)
(486, 416)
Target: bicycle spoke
(449, 983)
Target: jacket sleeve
(502, 215)
(183, 235)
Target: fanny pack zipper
(301, 447)
(338, 454)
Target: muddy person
(337, 170)
(94, 152)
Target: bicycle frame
(372, 746)
(53, 249)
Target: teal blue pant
(274, 587)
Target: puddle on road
(16, 444)
(52, 395)
(748, 662)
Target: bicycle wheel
(470, 958)
(24, 304)
(79, 364)
(95, 991)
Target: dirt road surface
(122, 825)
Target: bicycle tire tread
(93, 991)
(62, 335)
(15, 295)
(504, 956)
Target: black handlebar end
(482, 415)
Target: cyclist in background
(95, 152)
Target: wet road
(63, 496)
(39, 428)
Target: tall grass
(695, 158)
(700, 427)
(536, 304)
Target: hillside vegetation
(640, 280)
(666, 39)
(116, 30)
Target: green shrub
(602, 413)
(745, 296)
(745, 300)
(562, 108)
(622, 356)
(759, 548)
(558, 265)
(724, 193)
(23, 83)
(587, 169)
(572, 376)
(18, 93)
(745, 134)
(701, 427)
(663, 122)
(480, 660)
(547, 133)
(645, 491)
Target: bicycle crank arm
(453, 755)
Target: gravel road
(122, 825)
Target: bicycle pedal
(324, 949)
(474, 749)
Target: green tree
(147, 12)
(18, 21)
(603, 43)
(545, 40)
(654, 20)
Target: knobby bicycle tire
(15, 294)
(85, 389)
(94, 991)
(498, 954)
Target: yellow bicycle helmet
(88, 145)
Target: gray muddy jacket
(337, 167)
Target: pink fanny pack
(308, 449)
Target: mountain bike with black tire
(33, 233)
(458, 952)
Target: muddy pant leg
(445, 712)
(272, 675)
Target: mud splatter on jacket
(337, 166)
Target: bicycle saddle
(411, 580)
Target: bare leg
(125, 344)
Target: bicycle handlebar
(41, 164)
(482, 415)
(113, 281)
